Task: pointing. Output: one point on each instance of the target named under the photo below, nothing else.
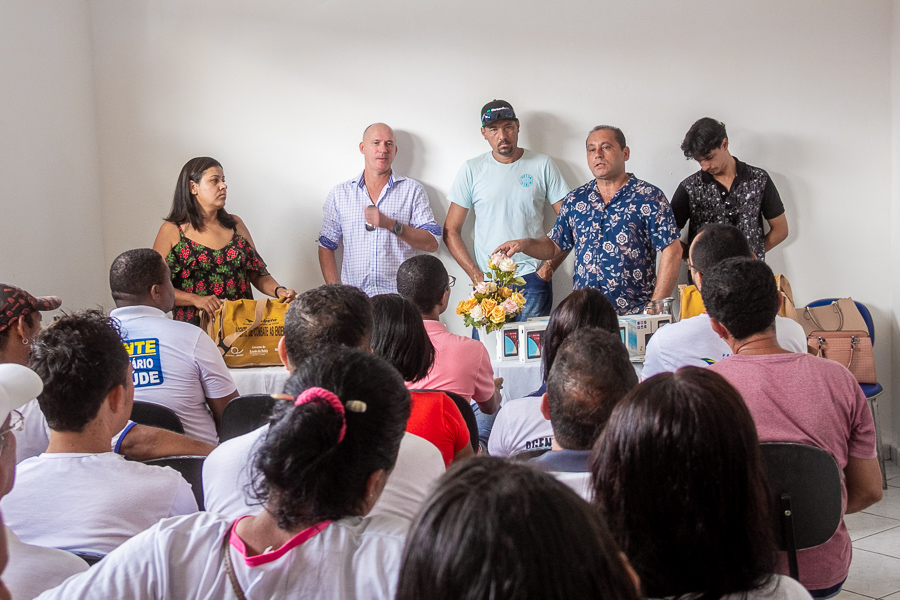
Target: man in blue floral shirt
(616, 224)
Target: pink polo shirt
(807, 400)
(461, 365)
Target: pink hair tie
(317, 393)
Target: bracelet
(280, 287)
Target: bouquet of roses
(493, 302)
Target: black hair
(619, 135)
(399, 336)
(184, 205)
(704, 136)
(742, 295)
(134, 272)
(80, 359)
(587, 307)
(679, 477)
(506, 531)
(330, 314)
(301, 469)
(422, 280)
(591, 373)
(715, 242)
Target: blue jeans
(538, 295)
(485, 424)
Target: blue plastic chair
(870, 390)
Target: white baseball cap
(18, 386)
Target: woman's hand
(285, 293)
(207, 304)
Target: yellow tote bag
(247, 331)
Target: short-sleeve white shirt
(508, 200)
(176, 365)
(692, 342)
(91, 502)
(227, 475)
(355, 557)
(520, 427)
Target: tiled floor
(875, 570)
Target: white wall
(280, 92)
(52, 240)
(894, 260)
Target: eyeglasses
(690, 266)
(452, 282)
(497, 114)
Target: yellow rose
(466, 305)
(518, 298)
(487, 305)
(498, 315)
(505, 292)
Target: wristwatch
(398, 228)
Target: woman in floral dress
(209, 252)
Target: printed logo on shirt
(544, 442)
(526, 180)
(145, 361)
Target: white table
(260, 380)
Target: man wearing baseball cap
(507, 188)
(20, 322)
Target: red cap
(16, 302)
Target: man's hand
(511, 247)
(498, 383)
(376, 218)
(546, 271)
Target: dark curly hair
(80, 359)
(742, 295)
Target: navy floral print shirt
(616, 243)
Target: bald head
(379, 148)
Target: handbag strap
(835, 307)
(257, 319)
(229, 568)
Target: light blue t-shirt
(508, 201)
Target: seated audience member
(521, 427)
(692, 341)
(509, 532)
(319, 470)
(399, 337)
(175, 364)
(20, 322)
(590, 374)
(31, 569)
(679, 476)
(78, 495)
(794, 398)
(330, 315)
(461, 365)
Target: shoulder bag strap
(257, 319)
(229, 568)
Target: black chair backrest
(244, 414)
(468, 416)
(156, 415)
(89, 557)
(190, 467)
(806, 496)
